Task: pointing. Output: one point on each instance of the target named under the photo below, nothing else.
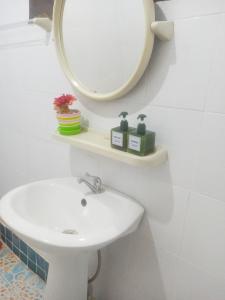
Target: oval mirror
(104, 46)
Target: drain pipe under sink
(92, 279)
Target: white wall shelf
(99, 143)
(22, 34)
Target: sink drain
(84, 202)
(70, 231)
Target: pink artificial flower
(64, 100)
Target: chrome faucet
(93, 182)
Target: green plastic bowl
(64, 131)
(69, 128)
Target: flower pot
(69, 124)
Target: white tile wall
(179, 130)
(180, 9)
(195, 283)
(215, 100)
(203, 243)
(14, 11)
(210, 167)
(167, 231)
(190, 60)
(179, 251)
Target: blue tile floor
(17, 282)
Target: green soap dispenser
(141, 141)
(119, 134)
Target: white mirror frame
(149, 10)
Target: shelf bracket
(164, 30)
(44, 23)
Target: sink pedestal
(67, 277)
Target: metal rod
(91, 279)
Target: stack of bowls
(69, 124)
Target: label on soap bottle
(134, 143)
(117, 139)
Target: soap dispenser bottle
(141, 141)
(119, 134)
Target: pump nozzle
(123, 114)
(142, 117)
(123, 123)
(141, 129)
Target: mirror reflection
(103, 41)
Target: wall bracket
(164, 30)
(44, 23)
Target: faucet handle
(96, 180)
(98, 184)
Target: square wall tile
(47, 159)
(210, 167)
(179, 130)
(168, 232)
(204, 243)
(42, 264)
(16, 240)
(193, 283)
(13, 11)
(44, 79)
(14, 151)
(184, 281)
(23, 247)
(216, 89)
(32, 256)
(185, 63)
(8, 234)
(176, 9)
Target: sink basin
(64, 221)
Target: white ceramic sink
(64, 221)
